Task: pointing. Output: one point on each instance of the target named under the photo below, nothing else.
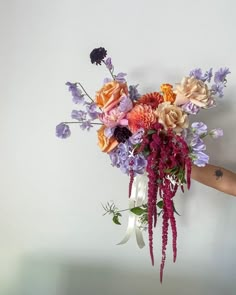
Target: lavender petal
(120, 77)
(221, 74)
(77, 95)
(125, 104)
(133, 92)
(86, 125)
(62, 130)
(190, 108)
(216, 133)
(199, 128)
(78, 115)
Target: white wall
(53, 238)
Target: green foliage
(146, 151)
(115, 219)
(111, 209)
(178, 173)
(138, 210)
(151, 131)
(160, 204)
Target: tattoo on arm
(218, 174)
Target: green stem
(110, 71)
(85, 91)
(129, 208)
(93, 123)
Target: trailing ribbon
(137, 198)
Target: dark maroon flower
(98, 55)
(121, 134)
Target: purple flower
(125, 104)
(120, 77)
(220, 75)
(197, 144)
(211, 103)
(78, 115)
(196, 73)
(77, 95)
(190, 108)
(133, 92)
(123, 158)
(199, 128)
(137, 137)
(108, 131)
(217, 89)
(119, 154)
(62, 130)
(138, 164)
(92, 110)
(200, 159)
(107, 80)
(86, 125)
(216, 133)
(109, 64)
(207, 76)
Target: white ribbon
(137, 198)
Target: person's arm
(216, 177)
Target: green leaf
(115, 219)
(160, 204)
(175, 209)
(138, 210)
(168, 170)
(159, 213)
(136, 146)
(203, 135)
(146, 152)
(173, 170)
(151, 131)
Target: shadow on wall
(45, 275)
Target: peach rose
(110, 95)
(106, 144)
(194, 90)
(171, 116)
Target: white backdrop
(53, 238)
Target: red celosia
(164, 240)
(166, 151)
(131, 181)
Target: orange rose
(110, 95)
(106, 144)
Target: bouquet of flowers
(149, 137)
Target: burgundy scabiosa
(121, 134)
(97, 55)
